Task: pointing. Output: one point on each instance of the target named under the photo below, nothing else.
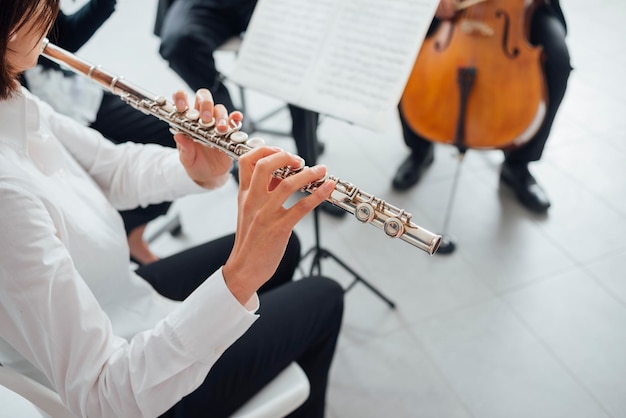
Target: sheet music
(346, 58)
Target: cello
(477, 81)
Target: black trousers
(120, 122)
(548, 31)
(192, 30)
(299, 321)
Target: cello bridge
(472, 27)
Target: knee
(557, 69)
(557, 56)
(175, 45)
(330, 295)
(190, 57)
(294, 248)
(560, 60)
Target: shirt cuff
(211, 319)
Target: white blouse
(72, 313)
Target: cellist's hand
(446, 9)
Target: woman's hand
(264, 224)
(206, 166)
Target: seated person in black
(548, 29)
(192, 30)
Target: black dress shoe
(411, 169)
(528, 192)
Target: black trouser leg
(300, 322)
(300, 134)
(192, 31)
(548, 32)
(418, 145)
(175, 277)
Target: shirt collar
(19, 117)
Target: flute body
(395, 222)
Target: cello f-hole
(493, 39)
(513, 52)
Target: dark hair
(13, 15)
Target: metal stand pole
(447, 245)
(318, 252)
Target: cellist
(548, 30)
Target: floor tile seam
(602, 285)
(554, 355)
(448, 382)
(504, 292)
(545, 231)
(589, 188)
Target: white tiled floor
(528, 317)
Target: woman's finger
(234, 119)
(262, 177)
(305, 205)
(180, 101)
(204, 104)
(248, 161)
(221, 118)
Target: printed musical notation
(346, 58)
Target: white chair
(278, 398)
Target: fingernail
(206, 115)
(181, 104)
(233, 123)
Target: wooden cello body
(477, 81)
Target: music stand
(317, 250)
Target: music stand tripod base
(320, 253)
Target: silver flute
(395, 222)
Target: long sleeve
(50, 316)
(129, 174)
(69, 305)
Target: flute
(366, 208)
